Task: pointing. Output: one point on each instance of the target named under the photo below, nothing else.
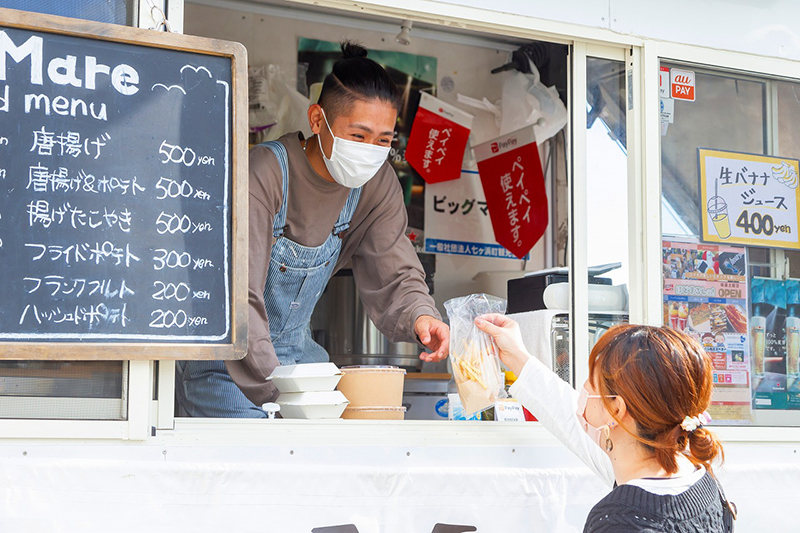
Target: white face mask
(598, 435)
(352, 163)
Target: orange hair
(664, 376)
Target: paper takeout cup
(373, 385)
(374, 413)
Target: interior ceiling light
(404, 37)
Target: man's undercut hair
(354, 78)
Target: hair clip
(690, 423)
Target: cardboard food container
(303, 378)
(317, 404)
(374, 413)
(370, 386)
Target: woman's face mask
(598, 434)
(352, 163)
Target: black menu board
(116, 186)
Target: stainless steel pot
(341, 325)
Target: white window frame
(642, 58)
(747, 65)
(135, 427)
(577, 177)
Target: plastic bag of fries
(473, 353)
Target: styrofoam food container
(304, 378)
(375, 413)
(316, 404)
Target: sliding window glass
(731, 248)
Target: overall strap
(343, 222)
(279, 225)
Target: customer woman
(639, 425)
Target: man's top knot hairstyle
(354, 78)
(351, 49)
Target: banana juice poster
(749, 199)
(705, 295)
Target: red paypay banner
(438, 140)
(513, 182)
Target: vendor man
(315, 205)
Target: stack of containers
(308, 391)
(373, 392)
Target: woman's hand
(508, 338)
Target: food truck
(666, 149)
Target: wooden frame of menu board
(123, 192)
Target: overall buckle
(283, 231)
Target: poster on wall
(457, 219)
(749, 199)
(775, 327)
(705, 295)
(792, 332)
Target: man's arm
(391, 281)
(250, 373)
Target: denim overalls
(296, 277)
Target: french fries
(475, 362)
(472, 373)
(473, 354)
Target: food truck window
(607, 166)
(729, 170)
(110, 11)
(63, 390)
(440, 62)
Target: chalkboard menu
(117, 186)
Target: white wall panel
(199, 483)
(585, 12)
(764, 28)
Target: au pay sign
(682, 84)
(749, 199)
